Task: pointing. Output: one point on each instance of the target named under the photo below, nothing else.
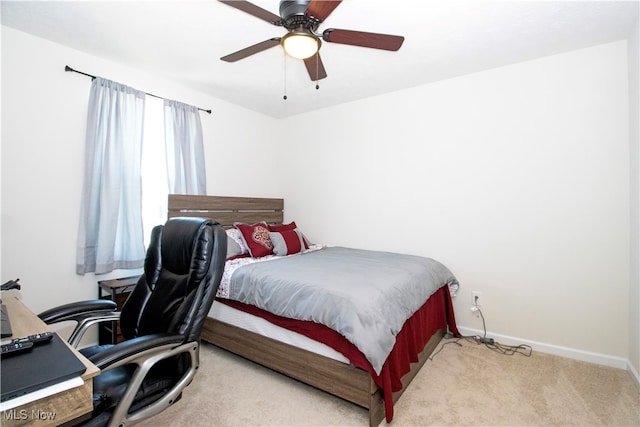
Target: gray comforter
(366, 296)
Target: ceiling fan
(301, 18)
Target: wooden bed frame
(346, 381)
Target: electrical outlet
(476, 299)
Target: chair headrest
(185, 246)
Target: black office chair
(160, 321)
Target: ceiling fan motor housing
(293, 14)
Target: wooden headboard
(227, 210)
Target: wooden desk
(69, 405)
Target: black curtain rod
(67, 68)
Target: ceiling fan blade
(248, 51)
(360, 38)
(254, 10)
(321, 9)
(315, 68)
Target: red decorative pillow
(286, 227)
(287, 242)
(283, 227)
(256, 236)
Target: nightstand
(116, 290)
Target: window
(155, 187)
(126, 179)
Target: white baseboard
(571, 353)
(634, 374)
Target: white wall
(634, 144)
(43, 125)
(516, 178)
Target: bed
(306, 350)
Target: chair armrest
(84, 313)
(76, 310)
(136, 348)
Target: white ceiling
(183, 41)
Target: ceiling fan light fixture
(300, 45)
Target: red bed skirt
(436, 313)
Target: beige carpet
(466, 385)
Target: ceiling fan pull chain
(285, 76)
(317, 70)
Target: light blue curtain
(110, 234)
(185, 149)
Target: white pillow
(235, 243)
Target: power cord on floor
(448, 336)
(490, 343)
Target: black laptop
(44, 365)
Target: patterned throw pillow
(285, 227)
(256, 237)
(286, 242)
